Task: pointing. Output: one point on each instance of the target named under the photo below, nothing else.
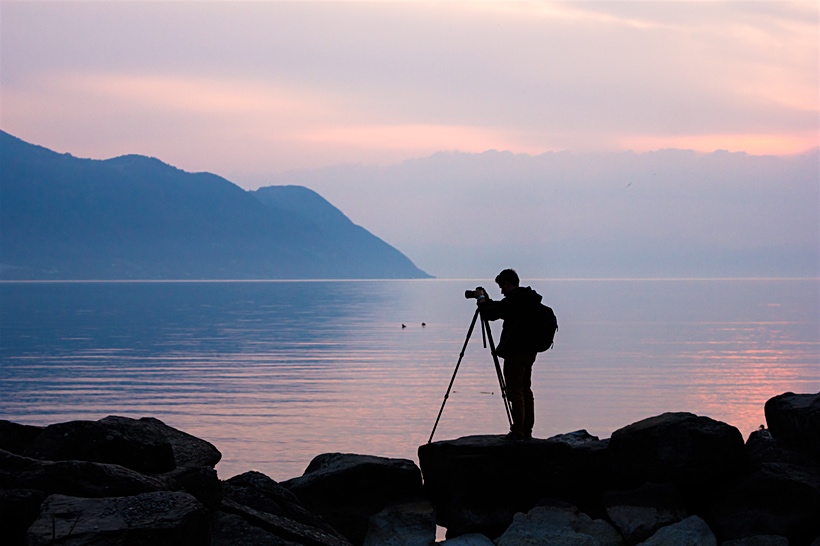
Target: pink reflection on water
(733, 381)
(728, 376)
(378, 389)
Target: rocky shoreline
(672, 479)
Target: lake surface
(274, 373)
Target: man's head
(507, 280)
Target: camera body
(473, 294)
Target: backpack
(542, 327)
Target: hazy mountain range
(668, 213)
(665, 213)
(135, 217)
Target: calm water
(274, 373)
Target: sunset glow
(416, 139)
(312, 84)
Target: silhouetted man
(514, 347)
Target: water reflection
(275, 373)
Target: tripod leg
(507, 406)
(452, 379)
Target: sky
(253, 91)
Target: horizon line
(417, 279)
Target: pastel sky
(249, 89)
(358, 100)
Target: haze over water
(274, 373)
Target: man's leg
(529, 399)
(517, 377)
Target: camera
(472, 294)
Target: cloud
(196, 95)
(269, 86)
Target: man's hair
(508, 276)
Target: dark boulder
(794, 419)
(188, 449)
(582, 469)
(139, 448)
(762, 447)
(410, 523)
(18, 509)
(200, 481)
(232, 530)
(146, 445)
(639, 513)
(478, 483)
(258, 491)
(284, 528)
(692, 531)
(559, 524)
(15, 438)
(346, 489)
(777, 498)
(77, 478)
(150, 519)
(698, 454)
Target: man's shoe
(514, 437)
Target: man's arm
(490, 310)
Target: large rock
(200, 481)
(18, 509)
(761, 447)
(411, 523)
(258, 491)
(696, 453)
(775, 499)
(146, 445)
(558, 525)
(139, 448)
(346, 489)
(15, 438)
(233, 530)
(795, 419)
(692, 531)
(150, 519)
(778, 496)
(478, 483)
(639, 513)
(284, 528)
(188, 449)
(77, 478)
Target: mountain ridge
(132, 216)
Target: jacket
(514, 309)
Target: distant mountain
(666, 213)
(134, 217)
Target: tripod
(485, 335)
